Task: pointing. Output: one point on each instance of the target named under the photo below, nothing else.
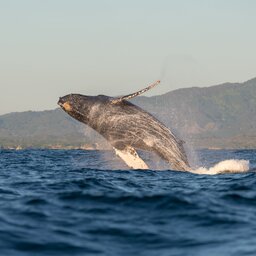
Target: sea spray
(226, 166)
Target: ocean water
(75, 202)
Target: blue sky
(51, 48)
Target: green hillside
(40, 129)
(217, 116)
(222, 116)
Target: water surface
(72, 202)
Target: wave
(226, 166)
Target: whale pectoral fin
(131, 158)
(132, 95)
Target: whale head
(81, 107)
(76, 105)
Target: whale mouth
(65, 105)
(60, 102)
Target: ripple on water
(56, 202)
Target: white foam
(227, 166)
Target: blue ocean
(76, 202)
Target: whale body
(127, 127)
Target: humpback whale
(127, 127)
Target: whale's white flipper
(131, 158)
(135, 94)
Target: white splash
(227, 166)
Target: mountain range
(221, 116)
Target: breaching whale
(127, 127)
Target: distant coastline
(99, 148)
(216, 117)
(57, 147)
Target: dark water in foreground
(58, 202)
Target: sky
(49, 48)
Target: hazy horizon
(51, 48)
(145, 95)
